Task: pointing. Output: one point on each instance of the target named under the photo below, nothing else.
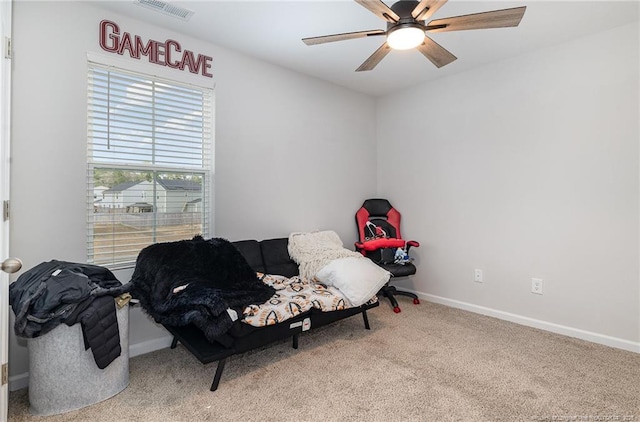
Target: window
(149, 163)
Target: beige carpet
(428, 363)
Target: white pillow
(359, 279)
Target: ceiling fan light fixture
(405, 37)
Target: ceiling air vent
(166, 8)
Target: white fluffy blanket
(313, 250)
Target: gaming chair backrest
(381, 213)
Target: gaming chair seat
(379, 233)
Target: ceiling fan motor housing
(403, 8)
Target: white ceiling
(272, 31)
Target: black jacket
(100, 331)
(57, 291)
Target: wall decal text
(168, 53)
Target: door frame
(5, 136)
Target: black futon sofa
(269, 256)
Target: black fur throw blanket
(195, 282)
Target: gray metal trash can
(64, 377)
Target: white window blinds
(149, 163)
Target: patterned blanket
(294, 296)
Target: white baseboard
(536, 323)
(20, 381)
(149, 346)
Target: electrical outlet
(477, 276)
(536, 286)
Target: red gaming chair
(379, 233)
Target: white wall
(526, 168)
(292, 153)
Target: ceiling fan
(407, 28)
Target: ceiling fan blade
(426, 8)
(494, 19)
(375, 58)
(379, 9)
(341, 37)
(437, 54)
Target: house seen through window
(149, 163)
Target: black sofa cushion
(250, 249)
(276, 257)
(269, 256)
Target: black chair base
(390, 291)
